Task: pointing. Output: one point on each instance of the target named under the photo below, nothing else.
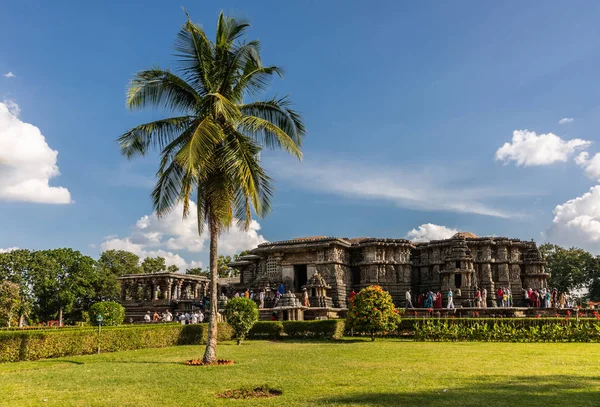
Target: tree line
(61, 284)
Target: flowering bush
(241, 314)
(372, 311)
(112, 313)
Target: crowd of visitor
(193, 317)
(538, 298)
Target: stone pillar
(154, 288)
(169, 289)
(123, 290)
(179, 289)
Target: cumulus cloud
(591, 166)
(9, 75)
(430, 231)
(428, 189)
(10, 249)
(566, 120)
(577, 222)
(152, 236)
(27, 163)
(530, 149)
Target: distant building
(462, 263)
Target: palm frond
(278, 112)
(160, 88)
(267, 134)
(157, 134)
(196, 55)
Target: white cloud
(9, 75)
(27, 163)
(566, 120)
(591, 166)
(529, 149)
(430, 231)
(577, 222)
(431, 190)
(10, 249)
(152, 236)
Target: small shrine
(317, 292)
(289, 308)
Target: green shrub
(51, 343)
(112, 313)
(326, 329)
(266, 330)
(371, 311)
(241, 314)
(508, 330)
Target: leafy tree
(372, 310)
(113, 264)
(241, 314)
(112, 313)
(197, 271)
(224, 270)
(120, 262)
(63, 281)
(210, 148)
(15, 266)
(240, 254)
(571, 269)
(152, 265)
(172, 268)
(10, 301)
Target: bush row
(51, 343)
(326, 329)
(508, 330)
(33, 345)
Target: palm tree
(209, 149)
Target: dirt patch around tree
(199, 362)
(264, 391)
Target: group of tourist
(546, 298)
(194, 317)
(430, 299)
(538, 298)
(261, 295)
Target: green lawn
(358, 373)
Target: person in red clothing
(499, 295)
(352, 294)
(438, 300)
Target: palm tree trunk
(60, 316)
(210, 354)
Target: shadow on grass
(556, 390)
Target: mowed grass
(356, 373)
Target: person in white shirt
(194, 318)
(408, 299)
(200, 317)
(147, 317)
(261, 299)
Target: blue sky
(407, 105)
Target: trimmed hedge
(508, 330)
(32, 345)
(266, 330)
(326, 329)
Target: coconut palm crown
(209, 149)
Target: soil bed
(249, 393)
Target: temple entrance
(458, 280)
(300, 277)
(355, 277)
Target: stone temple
(464, 262)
